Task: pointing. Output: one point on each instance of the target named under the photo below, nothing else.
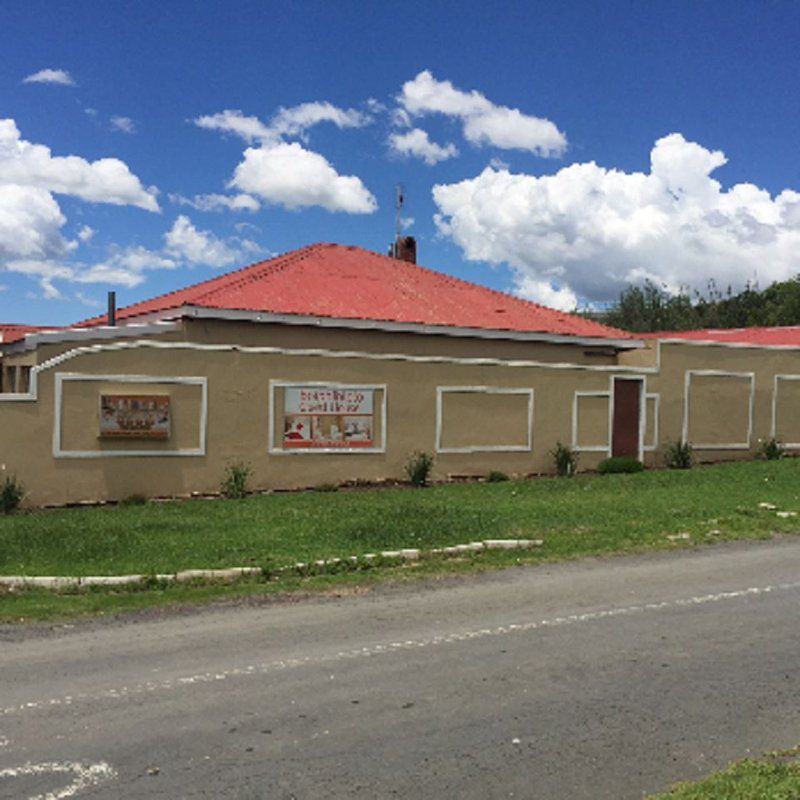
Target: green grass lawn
(580, 516)
(773, 778)
(583, 515)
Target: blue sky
(558, 151)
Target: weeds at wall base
(12, 493)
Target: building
(333, 363)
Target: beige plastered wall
(238, 385)
(378, 341)
(719, 402)
(238, 412)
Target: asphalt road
(599, 679)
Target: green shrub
(496, 476)
(566, 460)
(134, 500)
(418, 468)
(11, 494)
(678, 455)
(619, 464)
(771, 449)
(234, 483)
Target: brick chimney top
(404, 249)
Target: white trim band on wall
(156, 344)
(591, 448)
(656, 398)
(774, 425)
(687, 380)
(63, 377)
(442, 390)
(341, 451)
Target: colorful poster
(328, 417)
(132, 416)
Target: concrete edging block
(300, 567)
(112, 580)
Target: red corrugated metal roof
(11, 332)
(788, 335)
(336, 281)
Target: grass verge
(585, 515)
(776, 777)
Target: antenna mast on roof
(403, 248)
(399, 202)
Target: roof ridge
(220, 279)
(228, 277)
(563, 315)
(252, 272)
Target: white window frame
(64, 377)
(273, 450)
(722, 374)
(774, 425)
(650, 448)
(592, 448)
(501, 448)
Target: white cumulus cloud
(86, 233)
(249, 128)
(417, 143)
(218, 202)
(286, 122)
(483, 121)
(45, 271)
(586, 231)
(289, 175)
(57, 76)
(286, 173)
(30, 223)
(107, 180)
(296, 120)
(123, 124)
(123, 267)
(185, 242)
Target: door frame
(642, 411)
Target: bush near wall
(619, 464)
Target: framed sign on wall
(134, 416)
(328, 417)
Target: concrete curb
(319, 567)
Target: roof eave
(203, 312)
(102, 332)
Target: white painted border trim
(720, 373)
(600, 448)
(442, 390)
(99, 332)
(156, 344)
(731, 345)
(650, 448)
(340, 451)
(62, 377)
(642, 394)
(774, 424)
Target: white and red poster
(133, 416)
(328, 417)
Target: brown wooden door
(627, 417)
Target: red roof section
(788, 335)
(11, 332)
(337, 281)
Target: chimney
(405, 249)
(112, 309)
